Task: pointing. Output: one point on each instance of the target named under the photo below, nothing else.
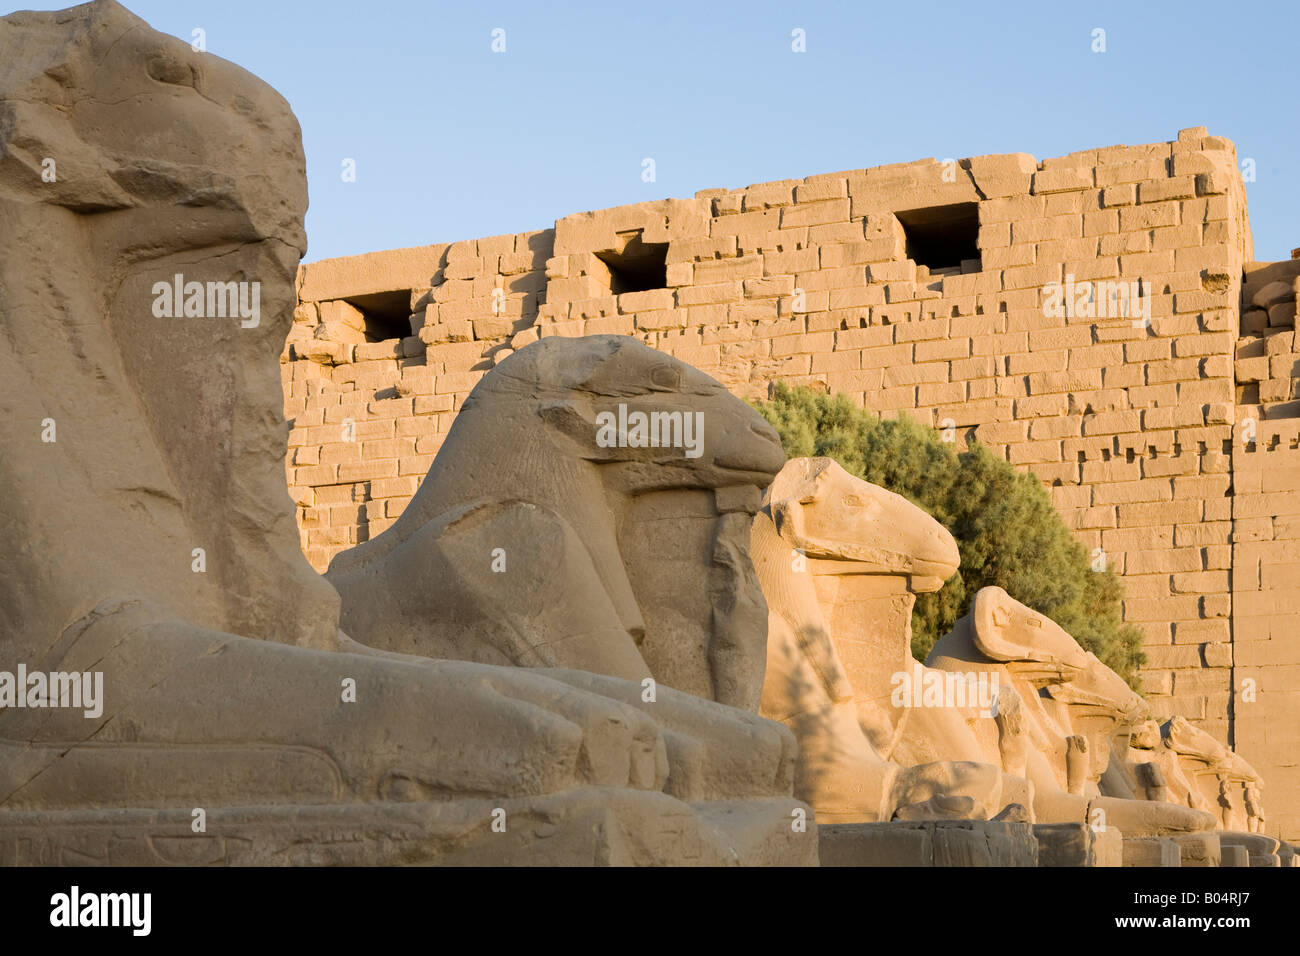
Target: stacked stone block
(1268, 358)
(367, 417)
(1266, 608)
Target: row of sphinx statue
(564, 650)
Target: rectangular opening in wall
(385, 315)
(637, 267)
(943, 238)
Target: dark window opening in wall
(945, 239)
(639, 267)
(387, 315)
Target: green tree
(1007, 531)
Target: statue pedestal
(928, 843)
(589, 827)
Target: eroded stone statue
(840, 560)
(154, 540)
(1072, 709)
(1194, 770)
(555, 545)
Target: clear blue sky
(453, 141)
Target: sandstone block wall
(922, 289)
(1266, 609)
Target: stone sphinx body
(1174, 762)
(1061, 714)
(596, 543)
(155, 543)
(840, 560)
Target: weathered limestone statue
(591, 502)
(151, 539)
(831, 548)
(1071, 710)
(840, 560)
(1254, 807)
(1195, 771)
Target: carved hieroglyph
(151, 538)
